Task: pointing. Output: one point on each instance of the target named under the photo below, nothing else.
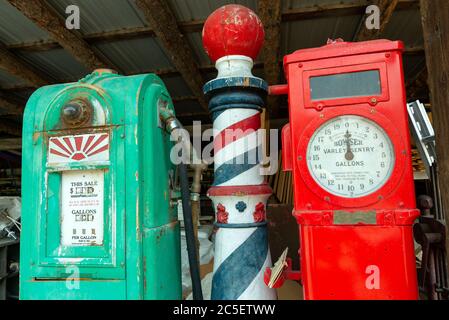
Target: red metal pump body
(352, 247)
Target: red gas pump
(348, 146)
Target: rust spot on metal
(173, 225)
(163, 230)
(36, 136)
(161, 233)
(79, 131)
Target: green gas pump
(97, 184)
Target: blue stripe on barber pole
(236, 273)
(236, 166)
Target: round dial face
(350, 156)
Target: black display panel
(345, 85)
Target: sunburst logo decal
(86, 147)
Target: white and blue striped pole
(239, 192)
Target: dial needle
(349, 155)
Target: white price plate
(82, 206)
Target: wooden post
(435, 22)
(270, 14)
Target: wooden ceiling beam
(13, 65)
(386, 8)
(10, 144)
(49, 20)
(269, 12)
(10, 127)
(163, 22)
(419, 50)
(10, 108)
(33, 46)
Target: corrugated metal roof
(57, 63)
(142, 55)
(7, 80)
(176, 86)
(137, 55)
(315, 32)
(196, 43)
(16, 28)
(22, 94)
(131, 56)
(405, 25)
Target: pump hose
(172, 123)
(190, 239)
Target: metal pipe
(172, 123)
(195, 199)
(278, 90)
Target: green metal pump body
(98, 220)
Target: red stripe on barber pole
(237, 131)
(239, 190)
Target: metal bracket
(423, 133)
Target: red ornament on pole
(233, 30)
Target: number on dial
(350, 156)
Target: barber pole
(232, 37)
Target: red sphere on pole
(233, 30)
